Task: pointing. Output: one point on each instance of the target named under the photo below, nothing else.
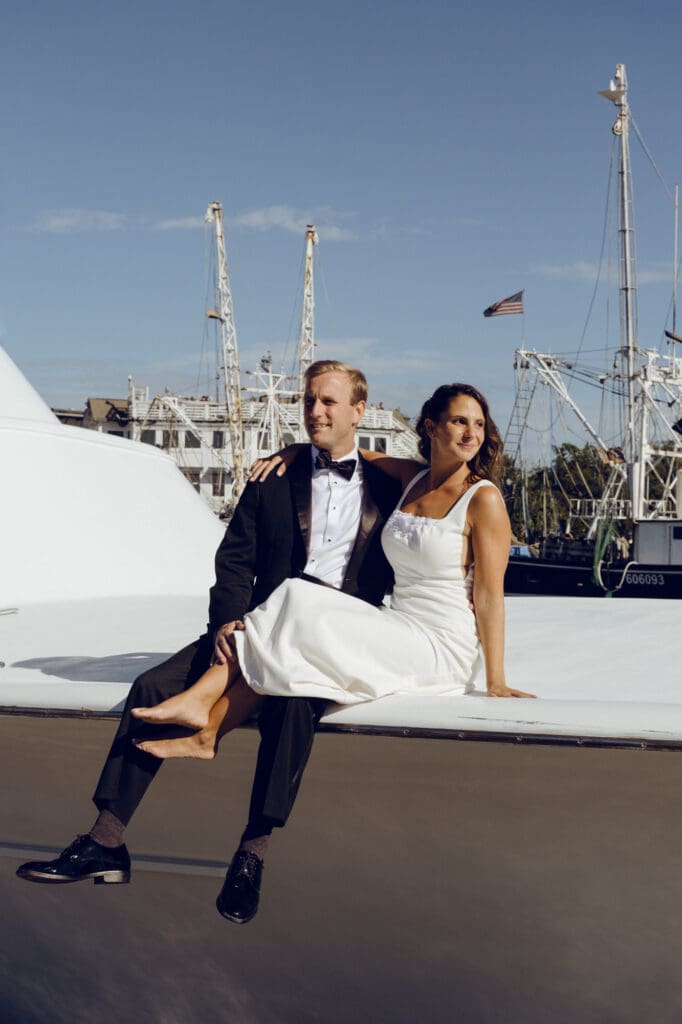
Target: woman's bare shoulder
(487, 501)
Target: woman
(448, 543)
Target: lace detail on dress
(406, 526)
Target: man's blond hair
(358, 381)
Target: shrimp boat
(631, 528)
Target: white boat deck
(599, 668)
(111, 576)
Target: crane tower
(230, 355)
(306, 347)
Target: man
(322, 521)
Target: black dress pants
(287, 727)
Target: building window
(364, 442)
(218, 438)
(380, 444)
(218, 482)
(170, 439)
(192, 475)
(148, 437)
(191, 440)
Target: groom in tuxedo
(322, 521)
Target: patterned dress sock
(107, 830)
(257, 845)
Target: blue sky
(450, 154)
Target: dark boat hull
(565, 579)
(418, 880)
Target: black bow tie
(323, 460)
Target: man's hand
(223, 644)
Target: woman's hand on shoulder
(502, 690)
(280, 461)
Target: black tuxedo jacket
(268, 537)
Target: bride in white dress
(448, 544)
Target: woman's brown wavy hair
(487, 463)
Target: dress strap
(462, 503)
(411, 485)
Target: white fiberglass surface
(86, 515)
(599, 667)
(19, 401)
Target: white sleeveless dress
(313, 641)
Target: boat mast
(634, 446)
(230, 355)
(306, 346)
(676, 257)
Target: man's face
(330, 417)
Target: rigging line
(566, 355)
(651, 159)
(546, 428)
(582, 477)
(334, 327)
(202, 368)
(604, 235)
(562, 458)
(573, 431)
(612, 388)
(288, 362)
(567, 497)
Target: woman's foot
(192, 708)
(201, 745)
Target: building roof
(112, 409)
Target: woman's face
(460, 431)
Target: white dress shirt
(335, 520)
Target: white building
(193, 431)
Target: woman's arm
(490, 539)
(403, 470)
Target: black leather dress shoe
(83, 859)
(238, 899)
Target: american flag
(513, 304)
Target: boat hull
(417, 880)
(549, 577)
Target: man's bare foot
(202, 746)
(184, 709)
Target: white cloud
(656, 273)
(581, 270)
(180, 223)
(286, 218)
(374, 356)
(72, 221)
(578, 271)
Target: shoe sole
(99, 878)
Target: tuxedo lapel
(301, 493)
(370, 518)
